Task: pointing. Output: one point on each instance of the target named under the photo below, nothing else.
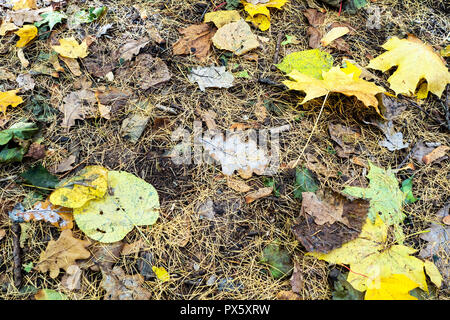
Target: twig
(409, 154)
(17, 254)
(271, 83)
(277, 51)
(204, 12)
(446, 109)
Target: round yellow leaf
(130, 202)
(90, 184)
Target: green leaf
(385, 198)
(278, 260)
(309, 62)
(343, 290)
(270, 182)
(39, 176)
(243, 74)
(21, 130)
(52, 18)
(232, 4)
(304, 182)
(407, 189)
(12, 154)
(28, 267)
(87, 16)
(49, 294)
(351, 6)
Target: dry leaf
(315, 18)
(20, 17)
(131, 248)
(62, 253)
(6, 26)
(238, 185)
(211, 77)
(323, 211)
(314, 37)
(236, 37)
(66, 164)
(437, 153)
(2, 233)
(287, 295)
(221, 18)
(36, 151)
(70, 48)
(130, 48)
(25, 82)
(23, 61)
(334, 34)
(120, 286)
(260, 193)
(78, 105)
(24, 4)
(296, 279)
(73, 65)
(104, 255)
(196, 40)
(6, 75)
(346, 138)
(72, 279)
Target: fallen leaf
(131, 48)
(395, 287)
(62, 253)
(9, 98)
(258, 194)
(2, 233)
(70, 48)
(112, 217)
(133, 126)
(304, 182)
(342, 290)
(90, 183)
(340, 222)
(132, 248)
(196, 40)
(52, 18)
(20, 17)
(25, 82)
(394, 140)
(49, 294)
(236, 37)
(371, 258)
(24, 4)
(23, 61)
(87, 16)
(407, 190)
(26, 34)
(115, 99)
(433, 272)
(334, 80)
(56, 215)
(222, 17)
(238, 185)
(161, 273)
(259, 13)
(73, 65)
(78, 105)
(386, 198)
(415, 61)
(287, 295)
(437, 153)
(346, 138)
(315, 17)
(334, 34)
(296, 280)
(65, 164)
(277, 259)
(120, 286)
(308, 62)
(207, 77)
(6, 26)
(38, 176)
(104, 255)
(72, 279)
(6, 75)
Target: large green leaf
(40, 177)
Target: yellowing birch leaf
(129, 202)
(334, 34)
(259, 13)
(334, 80)
(223, 17)
(24, 4)
(26, 34)
(70, 48)
(395, 287)
(161, 273)
(372, 258)
(91, 183)
(415, 61)
(9, 98)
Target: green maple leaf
(52, 18)
(386, 198)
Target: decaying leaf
(347, 139)
(73, 65)
(236, 37)
(258, 194)
(65, 164)
(277, 259)
(25, 82)
(238, 185)
(78, 105)
(133, 126)
(327, 223)
(56, 215)
(90, 183)
(370, 257)
(49, 294)
(62, 253)
(72, 279)
(120, 286)
(196, 40)
(104, 255)
(415, 60)
(131, 48)
(296, 280)
(437, 153)
(334, 80)
(110, 218)
(222, 17)
(211, 77)
(394, 140)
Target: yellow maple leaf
(415, 60)
(395, 287)
(24, 4)
(259, 13)
(9, 98)
(335, 80)
(70, 48)
(372, 258)
(26, 34)
(90, 183)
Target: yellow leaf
(395, 287)
(415, 61)
(352, 69)
(334, 34)
(91, 183)
(372, 258)
(161, 273)
(221, 18)
(129, 202)
(26, 34)
(24, 4)
(433, 272)
(335, 80)
(259, 13)
(9, 98)
(70, 48)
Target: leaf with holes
(110, 218)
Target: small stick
(277, 51)
(17, 255)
